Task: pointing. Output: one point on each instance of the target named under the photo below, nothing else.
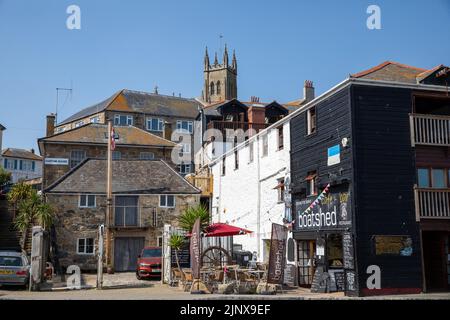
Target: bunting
(315, 202)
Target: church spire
(216, 61)
(206, 60)
(225, 56)
(234, 62)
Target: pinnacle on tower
(225, 56)
(206, 59)
(216, 61)
(234, 62)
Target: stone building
(65, 150)
(22, 164)
(158, 114)
(146, 195)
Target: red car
(149, 263)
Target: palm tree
(19, 192)
(5, 177)
(176, 242)
(30, 210)
(187, 219)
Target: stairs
(9, 237)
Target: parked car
(14, 268)
(149, 263)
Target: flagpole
(109, 194)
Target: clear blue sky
(138, 44)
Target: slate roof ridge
(190, 184)
(424, 74)
(159, 95)
(68, 173)
(32, 155)
(381, 66)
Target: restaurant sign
(332, 211)
(277, 256)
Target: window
(126, 211)
(85, 246)
(401, 245)
(438, 178)
(311, 183)
(236, 155)
(155, 124)
(116, 155)
(159, 241)
(250, 152)
(79, 124)
(123, 120)
(211, 88)
(184, 168)
(223, 166)
(265, 145)
(95, 119)
(87, 201)
(8, 164)
(280, 188)
(423, 178)
(185, 147)
(146, 156)
(311, 120)
(218, 88)
(167, 201)
(185, 126)
(280, 138)
(76, 156)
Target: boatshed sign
(332, 211)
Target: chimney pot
(308, 91)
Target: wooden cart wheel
(215, 257)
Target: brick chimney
(50, 124)
(256, 114)
(167, 131)
(308, 91)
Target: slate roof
(20, 154)
(391, 71)
(97, 134)
(129, 177)
(142, 102)
(2, 127)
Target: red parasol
(223, 230)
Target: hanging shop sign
(334, 155)
(330, 210)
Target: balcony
(235, 125)
(204, 183)
(432, 203)
(132, 217)
(430, 130)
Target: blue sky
(139, 44)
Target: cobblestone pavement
(157, 291)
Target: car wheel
(138, 277)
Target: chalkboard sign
(339, 278)
(320, 281)
(348, 250)
(350, 280)
(183, 256)
(290, 278)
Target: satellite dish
(344, 142)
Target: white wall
(245, 196)
(17, 174)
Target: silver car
(14, 268)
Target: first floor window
(186, 148)
(155, 124)
(79, 124)
(423, 178)
(159, 241)
(280, 138)
(85, 246)
(280, 188)
(185, 126)
(265, 145)
(184, 168)
(95, 119)
(123, 120)
(438, 178)
(167, 201)
(311, 121)
(311, 183)
(146, 156)
(76, 156)
(87, 201)
(116, 155)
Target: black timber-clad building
(370, 168)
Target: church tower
(220, 79)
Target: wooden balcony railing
(432, 203)
(132, 217)
(432, 130)
(235, 125)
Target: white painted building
(248, 191)
(23, 164)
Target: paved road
(158, 292)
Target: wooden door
(126, 252)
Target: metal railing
(143, 217)
(432, 203)
(432, 130)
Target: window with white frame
(311, 183)
(311, 120)
(146, 156)
(185, 126)
(95, 119)
(27, 165)
(155, 124)
(87, 201)
(167, 201)
(184, 168)
(79, 124)
(8, 164)
(85, 246)
(185, 147)
(123, 120)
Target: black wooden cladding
(383, 182)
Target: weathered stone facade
(73, 223)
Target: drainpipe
(258, 203)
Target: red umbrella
(223, 230)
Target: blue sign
(334, 155)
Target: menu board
(350, 277)
(348, 250)
(393, 245)
(183, 256)
(320, 281)
(290, 275)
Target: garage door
(126, 252)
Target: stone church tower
(220, 79)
